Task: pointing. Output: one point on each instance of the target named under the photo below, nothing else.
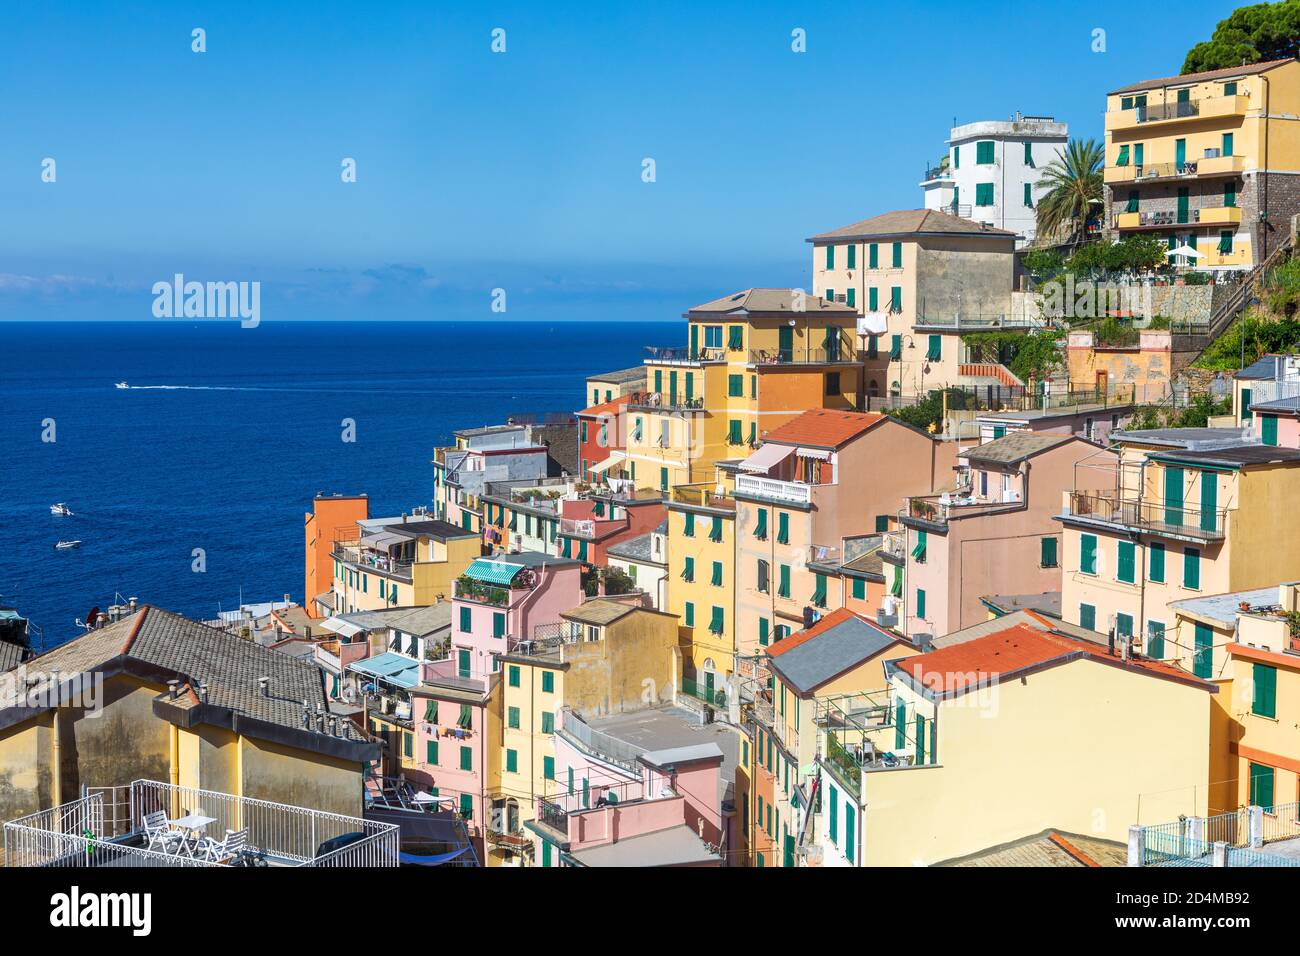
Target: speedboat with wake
(61, 509)
(66, 545)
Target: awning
(393, 668)
(615, 457)
(342, 628)
(383, 540)
(766, 458)
(819, 453)
(492, 572)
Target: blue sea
(226, 433)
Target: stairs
(1244, 295)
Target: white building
(992, 171)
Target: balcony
(106, 829)
(1209, 213)
(773, 489)
(841, 352)
(942, 508)
(1220, 215)
(372, 560)
(582, 815)
(467, 589)
(976, 323)
(675, 355)
(701, 494)
(1169, 520)
(1177, 111)
(666, 401)
(1157, 172)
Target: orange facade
(332, 518)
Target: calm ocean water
(226, 433)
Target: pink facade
(1288, 429)
(449, 754)
(590, 526)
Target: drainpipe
(1263, 209)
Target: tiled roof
(611, 407)
(230, 666)
(823, 428)
(837, 643)
(639, 548)
(1016, 447)
(1050, 848)
(621, 376)
(958, 668)
(915, 222)
(1264, 367)
(771, 300)
(599, 611)
(1186, 78)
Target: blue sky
(519, 170)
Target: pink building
(1094, 421)
(589, 526)
(993, 535)
(1277, 421)
(502, 600)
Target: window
(1155, 640)
(688, 524)
(819, 590)
(467, 806)
(896, 298)
(1122, 158)
(760, 529)
(512, 718)
(851, 251)
(848, 832)
(431, 752)
(406, 745)
(1124, 624)
(734, 432)
(783, 586)
(462, 664)
(1268, 429)
(850, 294)
(895, 348)
(1088, 617)
(782, 528)
(1225, 242)
(1263, 700)
(1192, 569)
(882, 524)
(498, 624)
(1230, 89)
(716, 620)
(1227, 144)
(735, 337)
(712, 337)
(466, 758)
(465, 620)
(1047, 553)
(832, 383)
(763, 627)
(736, 386)
(1088, 553)
(548, 722)
(715, 533)
(896, 255)
(984, 153)
(1133, 201)
(873, 304)
(1029, 195)
(873, 256)
(956, 157)
(859, 589)
(920, 604)
(584, 431)
(764, 577)
(984, 194)
(548, 768)
(716, 580)
(1203, 651)
(1156, 562)
(830, 294)
(830, 257)
(689, 614)
(1261, 786)
(688, 569)
(1124, 570)
(512, 761)
(918, 552)
(935, 352)
(548, 682)
(663, 478)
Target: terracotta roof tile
(824, 428)
(1186, 78)
(916, 222)
(612, 407)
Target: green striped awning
(492, 572)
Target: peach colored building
(821, 478)
(993, 535)
(1143, 372)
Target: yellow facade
(438, 562)
(701, 551)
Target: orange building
(332, 518)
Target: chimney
(173, 688)
(306, 714)
(264, 685)
(131, 601)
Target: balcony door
(785, 343)
(1209, 500)
(1174, 496)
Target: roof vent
(264, 685)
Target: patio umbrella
(1186, 251)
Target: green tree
(1073, 189)
(1260, 32)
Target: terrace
(1247, 836)
(859, 735)
(666, 400)
(1156, 517)
(106, 828)
(384, 553)
(941, 508)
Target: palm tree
(1073, 187)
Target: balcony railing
(673, 401)
(774, 489)
(378, 562)
(1178, 109)
(106, 828)
(468, 589)
(676, 355)
(578, 527)
(1154, 516)
(841, 352)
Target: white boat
(61, 509)
(65, 545)
(122, 385)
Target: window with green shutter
(760, 529)
(895, 348)
(984, 153)
(900, 724)
(688, 569)
(920, 604)
(882, 524)
(1029, 195)
(873, 256)
(851, 251)
(896, 300)
(1088, 553)
(548, 768)
(1133, 201)
(465, 620)
(1192, 569)
(851, 295)
(896, 255)
(716, 621)
(1047, 553)
(1268, 429)
(735, 337)
(688, 524)
(1263, 700)
(1088, 617)
(1124, 624)
(431, 752)
(466, 758)
(783, 584)
(819, 590)
(1261, 786)
(734, 432)
(1202, 651)
(688, 613)
(1155, 640)
(956, 157)
(1156, 562)
(498, 624)
(782, 528)
(918, 550)
(830, 257)
(1029, 155)
(935, 351)
(984, 194)
(859, 589)
(406, 745)
(1124, 570)
(548, 722)
(462, 663)
(763, 630)
(1122, 158)
(832, 825)
(716, 580)
(873, 304)
(467, 806)
(512, 761)
(715, 533)
(736, 386)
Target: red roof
(960, 667)
(824, 428)
(825, 624)
(606, 408)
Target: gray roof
(620, 377)
(435, 528)
(1049, 848)
(1240, 456)
(1016, 447)
(1022, 616)
(639, 548)
(1047, 602)
(1224, 608)
(167, 646)
(807, 665)
(410, 620)
(1195, 439)
(770, 301)
(1291, 405)
(1060, 411)
(1264, 367)
(531, 559)
(912, 223)
(599, 611)
(674, 846)
(675, 756)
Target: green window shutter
(830, 257)
(1230, 89)
(882, 524)
(462, 663)
(1246, 399)
(850, 294)
(688, 524)
(900, 724)
(1029, 195)
(548, 722)
(918, 552)
(1029, 155)
(1047, 555)
(514, 675)
(859, 589)
(1125, 571)
(920, 604)
(849, 848)
(717, 574)
(406, 744)
(548, 682)
(782, 528)
(1088, 553)
(1122, 158)
(873, 304)
(512, 761)
(920, 740)
(1155, 640)
(819, 590)
(1192, 569)
(895, 348)
(548, 768)
(1156, 559)
(956, 157)
(896, 300)
(1261, 786)
(512, 718)
(984, 194)
(832, 824)
(688, 569)
(736, 386)
(1124, 624)
(763, 626)
(760, 529)
(896, 255)
(1264, 691)
(1209, 501)
(873, 256)
(1137, 154)
(467, 805)
(431, 712)
(1088, 617)
(659, 380)
(466, 758)
(663, 479)
(689, 614)
(716, 533)
(1203, 651)
(431, 752)
(783, 587)
(735, 337)
(716, 621)
(733, 431)
(1227, 144)
(1268, 429)
(465, 618)
(498, 624)
(1133, 201)
(935, 352)
(984, 153)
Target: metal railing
(715, 697)
(1153, 516)
(666, 400)
(1190, 842)
(609, 748)
(374, 561)
(1178, 109)
(482, 593)
(842, 352)
(679, 355)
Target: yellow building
(840, 654)
(1006, 717)
(1207, 160)
(401, 562)
(604, 657)
(755, 360)
(1185, 513)
(920, 278)
(701, 584)
(156, 696)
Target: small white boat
(65, 545)
(122, 385)
(61, 509)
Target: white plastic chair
(159, 832)
(214, 851)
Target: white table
(191, 825)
